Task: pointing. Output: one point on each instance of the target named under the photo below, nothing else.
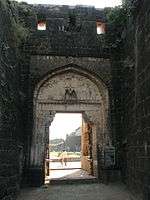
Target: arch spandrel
(69, 86)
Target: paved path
(58, 165)
(69, 174)
(77, 192)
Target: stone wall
(131, 75)
(11, 113)
(61, 45)
(66, 45)
(70, 31)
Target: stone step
(73, 181)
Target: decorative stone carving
(70, 95)
(78, 89)
(48, 118)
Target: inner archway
(71, 90)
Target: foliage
(19, 13)
(116, 15)
(116, 20)
(3, 3)
(20, 32)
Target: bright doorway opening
(64, 153)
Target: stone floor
(92, 191)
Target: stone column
(39, 146)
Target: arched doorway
(70, 89)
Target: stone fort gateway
(75, 59)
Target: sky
(96, 3)
(64, 123)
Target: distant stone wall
(131, 75)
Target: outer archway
(70, 89)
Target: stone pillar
(39, 147)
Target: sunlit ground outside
(73, 160)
